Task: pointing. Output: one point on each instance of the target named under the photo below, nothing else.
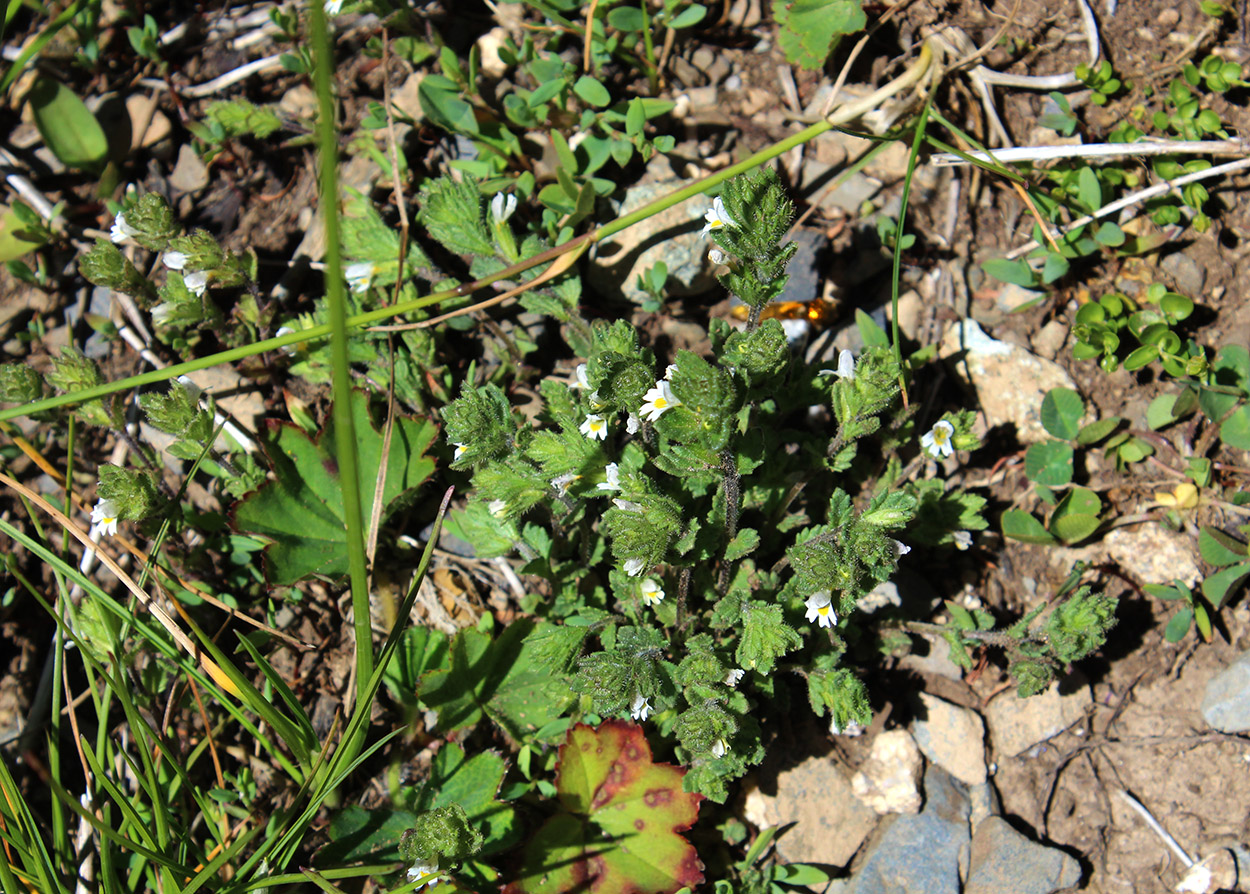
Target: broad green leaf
(15, 238)
(1089, 190)
(1224, 583)
(518, 680)
(592, 92)
(1235, 432)
(620, 829)
(744, 543)
(420, 649)
(1055, 267)
(872, 334)
(301, 510)
(1179, 625)
(801, 874)
(765, 637)
(1230, 370)
(691, 15)
(809, 30)
(1097, 430)
(1020, 525)
(1062, 409)
(67, 126)
(1049, 463)
(1160, 413)
(1017, 272)
(1109, 234)
(1218, 548)
(626, 18)
(1076, 516)
(1141, 357)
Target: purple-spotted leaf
(619, 832)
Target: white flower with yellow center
(963, 540)
(612, 472)
(423, 874)
(497, 508)
(579, 378)
(121, 231)
(734, 677)
(720, 748)
(359, 276)
(595, 427)
(460, 449)
(716, 218)
(104, 517)
(937, 441)
(820, 609)
(652, 592)
(659, 400)
(641, 708)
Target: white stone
(1017, 724)
(953, 738)
(889, 781)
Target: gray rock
(1152, 554)
(1226, 703)
(921, 853)
(1185, 272)
(1005, 862)
(804, 268)
(672, 236)
(952, 737)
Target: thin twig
(1035, 154)
(1156, 827)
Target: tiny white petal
(820, 609)
(716, 217)
(196, 282)
(497, 508)
(121, 231)
(720, 748)
(193, 389)
(161, 313)
(460, 449)
(633, 567)
(359, 276)
(937, 441)
(716, 256)
(424, 874)
(632, 424)
(963, 540)
(104, 517)
(668, 372)
(641, 708)
(561, 482)
(659, 400)
(333, 8)
(174, 260)
(580, 380)
(627, 505)
(502, 206)
(613, 473)
(900, 548)
(652, 592)
(734, 677)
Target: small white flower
(579, 378)
(161, 313)
(641, 708)
(359, 276)
(502, 206)
(716, 256)
(595, 401)
(104, 517)
(174, 260)
(633, 567)
(963, 540)
(937, 440)
(613, 473)
(652, 592)
(820, 609)
(668, 372)
(497, 508)
(121, 231)
(716, 218)
(734, 677)
(193, 389)
(658, 400)
(846, 367)
(900, 548)
(851, 729)
(460, 449)
(196, 282)
(333, 8)
(627, 505)
(720, 747)
(421, 873)
(289, 350)
(632, 424)
(594, 427)
(561, 483)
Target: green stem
(841, 116)
(653, 73)
(336, 306)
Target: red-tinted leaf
(620, 834)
